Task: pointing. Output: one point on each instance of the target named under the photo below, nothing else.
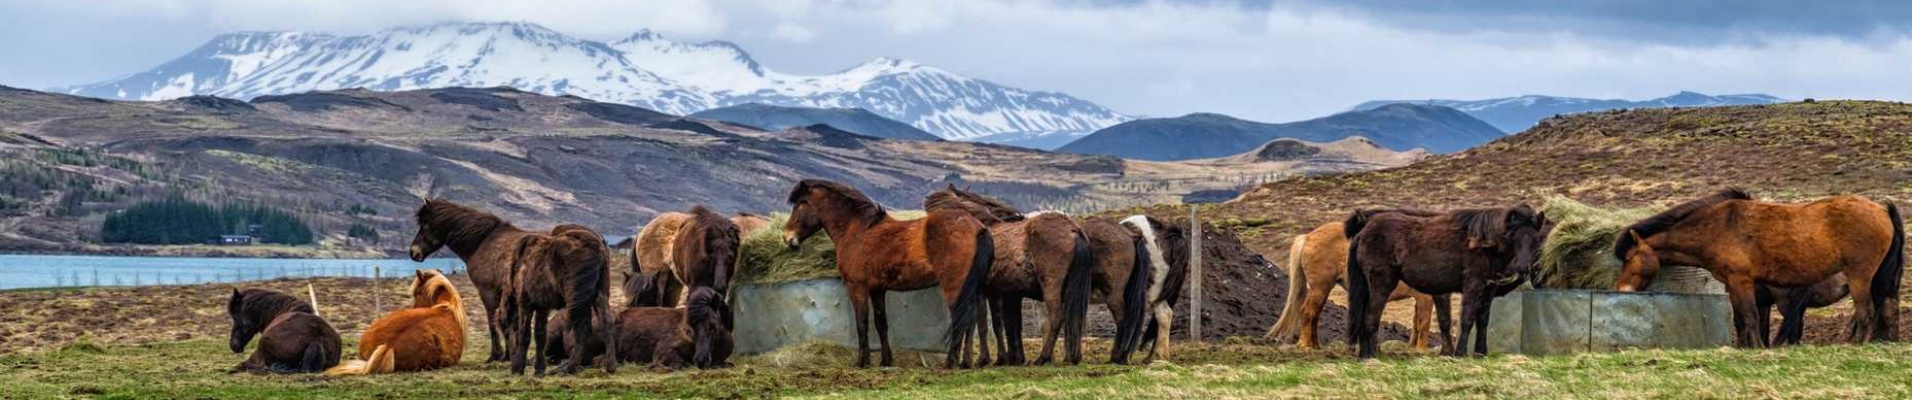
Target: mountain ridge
(1515, 114)
(1399, 127)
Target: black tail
(704, 311)
(1077, 286)
(314, 358)
(962, 315)
(1135, 298)
(1792, 317)
(1357, 300)
(1885, 281)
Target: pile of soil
(1243, 295)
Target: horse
(1118, 253)
(1792, 304)
(1745, 243)
(1481, 253)
(698, 248)
(653, 250)
(1317, 261)
(429, 335)
(1044, 257)
(292, 337)
(1167, 252)
(876, 254)
(569, 270)
(747, 222)
(668, 338)
(483, 241)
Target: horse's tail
(1077, 286)
(314, 358)
(1290, 322)
(1135, 305)
(962, 314)
(1792, 317)
(380, 362)
(1885, 281)
(1357, 296)
(704, 311)
(314, 295)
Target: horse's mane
(1485, 227)
(860, 204)
(944, 199)
(993, 204)
(267, 304)
(459, 226)
(1359, 218)
(1666, 219)
(435, 283)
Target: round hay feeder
(786, 297)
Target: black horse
(1481, 253)
(292, 337)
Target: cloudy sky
(1271, 61)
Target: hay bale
(765, 260)
(1578, 254)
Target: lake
(35, 271)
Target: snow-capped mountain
(644, 69)
(1515, 114)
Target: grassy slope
(194, 369)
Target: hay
(1578, 254)
(765, 260)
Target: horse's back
(1850, 231)
(1114, 248)
(654, 242)
(1325, 251)
(490, 266)
(420, 338)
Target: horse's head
(429, 238)
(442, 223)
(1515, 233)
(243, 324)
(815, 204)
(430, 287)
(1641, 265)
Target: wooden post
(377, 307)
(1194, 274)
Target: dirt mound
(1243, 295)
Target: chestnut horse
(1746, 243)
(1044, 257)
(483, 241)
(1118, 253)
(1167, 253)
(292, 337)
(1317, 261)
(1481, 253)
(567, 270)
(876, 254)
(429, 335)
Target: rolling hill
(781, 117)
(1515, 114)
(1399, 127)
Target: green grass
(195, 369)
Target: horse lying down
(292, 337)
(668, 338)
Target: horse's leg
(538, 319)
(1423, 318)
(999, 317)
(490, 300)
(1486, 305)
(1164, 318)
(1051, 322)
(1471, 294)
(1739, 292)
(883, 324)
(1311, 311)
(1014, 329)
(1773, 296)
(982, 335)
(860, 303)
(1444, 311)
(1861, 329)
(520, 339)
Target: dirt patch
(1243, 295)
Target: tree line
(176, 220)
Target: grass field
(195, 369)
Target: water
(31, 271)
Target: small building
(235, 240)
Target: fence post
(1194, 274)
(377, 305)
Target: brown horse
(567, 270)
(697, 248)
(1792, 305)
(1317, 261)
(1118, 253)
(1481, 253)
(1043, 257)
(1746, 243)
(430, 335)
(483, 241)
(292, 337)
(747, 222)
(1167, 253)
(668, 338)
(877, 254)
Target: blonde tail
(314, 295)
(1289, 324)
(381, 362)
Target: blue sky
(1264, 60)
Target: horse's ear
(1637, 239)
(235, 293)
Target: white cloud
(791, 32)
